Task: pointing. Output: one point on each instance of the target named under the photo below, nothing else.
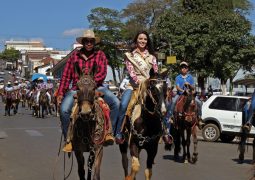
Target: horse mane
(143, 90)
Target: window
(224, 103)
(241, 104)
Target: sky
(56, 22)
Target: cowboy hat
(164, 70)
(88, 33)
(183, 63)
(16, 82)
(40, 78)
(9, 82)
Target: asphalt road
(29, 148)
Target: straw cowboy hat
(9, 82)
(40, 78)
(88, 33)
(164, 70)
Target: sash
(145, 62)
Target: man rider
(40, 86)
(86, 58)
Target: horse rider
(41, 85)
(167, 138)
(49, 87)
(87, 57)
(248, 110)
(183, 79)
(139, 62)
(8, 87)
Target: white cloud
(73, 32)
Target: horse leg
(97, 164)
(184, 144)
(253, 154)
(242, 146)
(188, 143)
(195, 142)
(80, 162)
(135, 164)
(151, 154)
(177, 144)
(123, 150)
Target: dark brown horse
(185, 118)
(87, 126)
(8, 98)
(145, 130)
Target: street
(29, 148)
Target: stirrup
(68, 147)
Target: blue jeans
(249, 110)
(66, 110)
(125, 98)
(166, 119)
(68, 102)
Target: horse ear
(77, 69)
(153, 74)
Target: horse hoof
(186, 161)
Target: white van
(223, 117)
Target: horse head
(85, 92)
(153, 94)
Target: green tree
(108, 25)
(210, 35)
(10, 55)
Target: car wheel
(227, 138)
(211, 132)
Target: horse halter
(85, 96)
(153, 93)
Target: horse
(8, 100)
(43, 103)
(144, 130)
(185, 119)
(15, 100)
(87, 129)
(23, 97)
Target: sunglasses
(87, 41)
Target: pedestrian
(85, 57)
(139, 62)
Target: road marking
(34, 133)
(3, 135)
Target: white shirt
(124, 83)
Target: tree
(142, 15)
(211, 36)
(10, 55)
(108, 25)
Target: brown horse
(8, 98)
(185, 118)
(43, 103)
(87, 128)
(145, 130)
(23, 97)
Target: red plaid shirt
(98, 57)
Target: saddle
(103, 122)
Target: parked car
(2, 73)
(222, 116)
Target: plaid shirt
(98, 57)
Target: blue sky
(56, 22)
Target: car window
(241, 104)
(224, 103)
